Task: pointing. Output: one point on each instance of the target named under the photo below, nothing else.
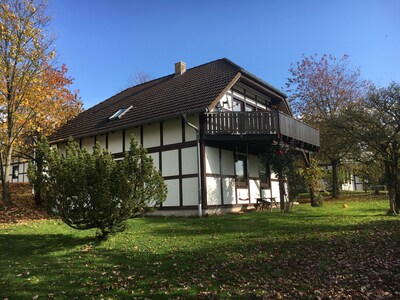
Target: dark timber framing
(212, 86)
(23, 173)
(162, 148)
(244, 151)
(202, 171)
(221, 184)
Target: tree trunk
(39, 180)
(307, 161)
(5, 179)
(2, 176)
(391, 182)
(335, 178)
(397, 203)
(395, 179)
(396, 184)
(312, 197)
(282, 193)
(38, 197)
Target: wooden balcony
(260, 126)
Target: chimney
(180, 68)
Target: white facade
(19, 172)
(173, 146)
(352, 182)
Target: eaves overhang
(198, 110)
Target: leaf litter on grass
(308, 254)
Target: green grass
(309, 253)
(305, 197)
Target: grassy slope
(310, 253)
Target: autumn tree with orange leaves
(56, 106)
(34, 94)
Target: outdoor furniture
(377, 188)
(266, 203)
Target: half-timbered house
(205, 128)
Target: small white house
(205, 128)
(351, 181)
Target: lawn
(315, 253)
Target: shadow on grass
(22, 245)
(378, 211)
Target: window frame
(250, 108)
(15, 172)
(237, 103)
(265, 181)
(120, 113)
(245, 182)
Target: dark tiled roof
(159, 99)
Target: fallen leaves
(291, 257)
(21, 215)
(24, 210)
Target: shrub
(92, 190)
(313, 174)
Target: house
(19, 171)
(350, 180)
(205, 128)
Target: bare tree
(139, 78)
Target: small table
(266, 203)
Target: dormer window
(120, 113)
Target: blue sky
(104, 43)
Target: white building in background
(351, 181)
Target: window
(15, 172)
(237, 105)
(250, 108)
(265, 174)
(120, 113)
(241, 171)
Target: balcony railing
(260, 123)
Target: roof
(160, 99)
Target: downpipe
(200, 209)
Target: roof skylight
(120, 113)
